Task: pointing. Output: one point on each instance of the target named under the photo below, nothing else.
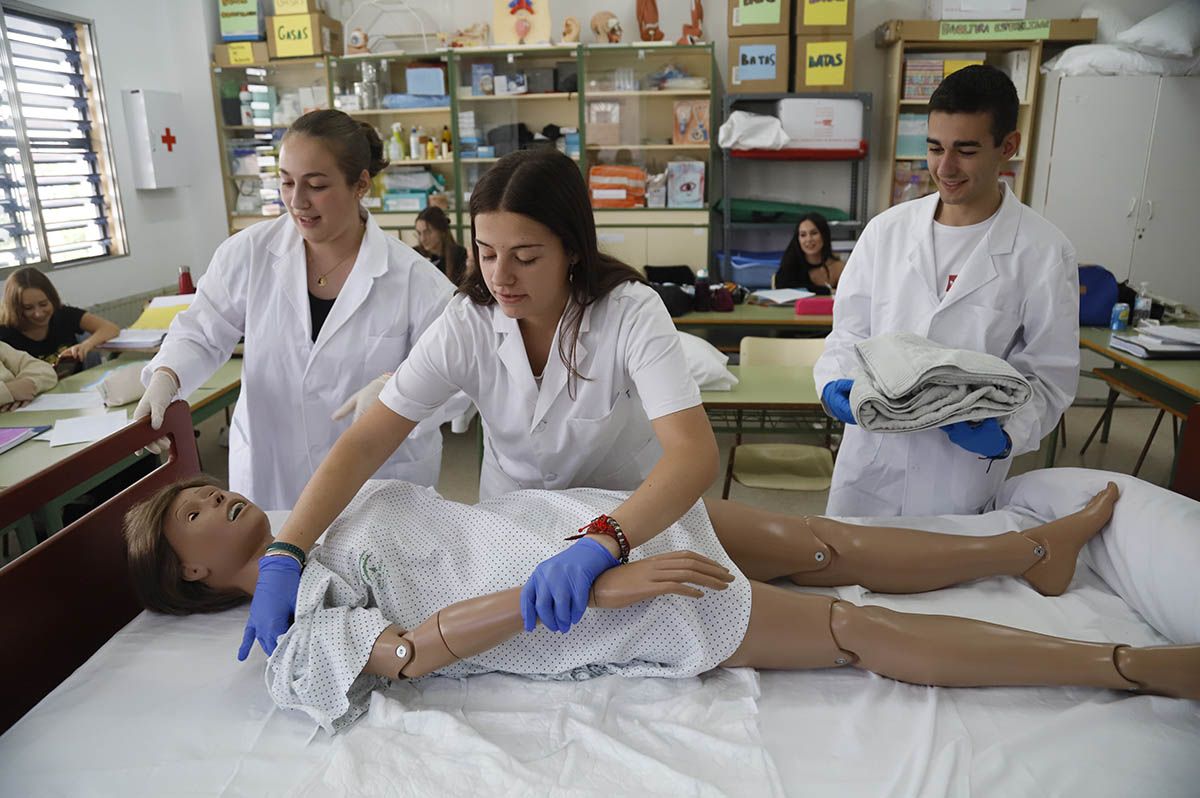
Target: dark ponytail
(356, 145)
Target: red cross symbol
(169, 140)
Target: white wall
(152, 44)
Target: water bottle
(703, 299)
(185, 281)
(913, 190)
(1141, 305)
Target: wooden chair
(783, 353)
(1132, 383)
(69, 594)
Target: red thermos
(185, 281)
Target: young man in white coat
(969, 267)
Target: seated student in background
(34, 320)
(22, 377)
(809, 262)
(437, 244)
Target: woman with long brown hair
(437, 243)
(578, 375)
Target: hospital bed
(132, 703)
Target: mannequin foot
(1163, 670)
(1060, 541)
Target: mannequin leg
(822, 552)
(790, 630)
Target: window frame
(108, 186)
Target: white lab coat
(540, 437)
(1016, 297)
(256, 287)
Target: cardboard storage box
(296, 7)
(824, 17)
(975, 9)
(240, 20)
(241, 53)
(816, 123)
(824, 63)
(760, 17)
(758, 64)
(300, 35)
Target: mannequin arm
(476, 625)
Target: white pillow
(1150, 552)
(706, 363)
(1111, 59)
(1173, 32)
(1111, 20)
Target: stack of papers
(1159, 342)
(86, 429)
(136, 339)
(778, 296)
(51, 402)
(151, 327)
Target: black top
(64, 327)
(796, 275)
(318, 310)
(458, 269)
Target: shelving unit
(659, 236)
(903, 38)
(857, 160)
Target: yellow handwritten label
(291, 7)
(826, 12)
(825, 63)
(240, 53)
(294, 35)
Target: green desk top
(755, 315)
(1182, 375)
(766, 388)
(31, 457)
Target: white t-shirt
(539, 435)
(952, 246)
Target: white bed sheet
(165, 709)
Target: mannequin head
(193, 547)
(326, 162)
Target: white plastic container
(975, 9)
(821, 124)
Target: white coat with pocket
(541, 437)
(1015, 297)
(256, 287)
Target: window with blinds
(58, 199)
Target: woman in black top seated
(34, 320)
(809, 262)
(437, 244)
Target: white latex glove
(364, 398)
(161, 391)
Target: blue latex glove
(836, 397)
(985, 438)
(273, 605)
(559, 588)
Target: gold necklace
(321, 281)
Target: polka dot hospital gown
(400, 552)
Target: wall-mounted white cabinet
(1118, 172)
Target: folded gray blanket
(911, 383)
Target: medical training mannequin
(969, 267)
(809, 262)
(326, 302)
(195, 548)
(576, 369)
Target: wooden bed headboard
(63, 599)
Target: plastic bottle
(396, 143)
(445, 141)
(1141, 305)
(414, 142)
(430, 149)
(913, 190)
(703, 299)
(185, 281)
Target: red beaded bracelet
(606, 525)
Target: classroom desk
(1179, 377)
(31, 457)
(767, 399)
(746, 315)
